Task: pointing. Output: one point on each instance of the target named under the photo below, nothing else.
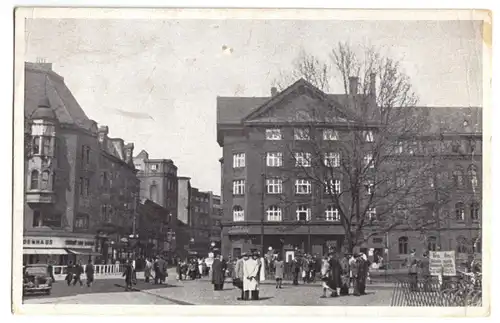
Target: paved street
(200, 292)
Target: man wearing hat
(238, 274)
(251, 277)
(217, 272)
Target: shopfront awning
(85, 252)
(44, 251)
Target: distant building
(158, 184)
(200, 221)
(215, 218)
(80, 185)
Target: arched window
(238, 213)
(44, 185)
(35, 147)
(460, 211)
(34, 180)
(403, 245)
(153, 193)
(432, 244)
(458, 179)
(461, 245)
(273, 213)
(473, 178)
(474, 211)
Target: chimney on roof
(373, 84)
(274, 91)
(103, 135)
(353, 85)
(129, 153)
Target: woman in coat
(279, 268)
(335, 274)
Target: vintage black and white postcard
(241, 157)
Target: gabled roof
(42, 83)
(300, 86)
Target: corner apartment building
(265, 195)
(79, 184)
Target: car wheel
(47, 292)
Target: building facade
(159, 185)
(216, 218)
(266, 202)
(70, 211)
(200, 221)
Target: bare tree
(367, 155)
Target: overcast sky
(155, 82)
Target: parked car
(36, 279)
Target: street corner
(202, 293)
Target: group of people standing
(157, 266)
(338, 274)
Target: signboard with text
(57, 242)
(442, 262)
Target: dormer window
(273, 134)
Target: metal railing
(450, 292)
(99, 270)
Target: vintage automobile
(36, 279)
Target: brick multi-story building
(79, 184)
(216, 218)
(158, 184)
(264, 199)
(200, 221)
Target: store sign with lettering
(238, 230)
(56, 242)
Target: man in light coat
(251, 277)
(238, 274)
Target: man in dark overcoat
(295, 271)
(362, 273)
(335, 272)
(218, 273)
(128, 274)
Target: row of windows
(40, 181)
(304, 134)
(302, 159)
(432, 245)
(302, 186)
(472, 174)
(460, 211)
(303, 213)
